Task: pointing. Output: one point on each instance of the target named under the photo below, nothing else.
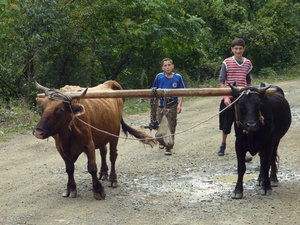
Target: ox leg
(113, 158)
(103, 174)
(264, 172)
(274, 169)
(238, 190)
(98, 189)
(71, 190)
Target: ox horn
(79, 95)
(235, 90)
(40, 87)
(57, 95)
(263, 90)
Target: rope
(209, 118)
(180, 132)
(154, 101)
(103, 131)
(56, 95)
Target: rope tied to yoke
(56, 95)
(153, 125)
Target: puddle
(194, 187)
(233, 178)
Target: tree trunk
(121, 64)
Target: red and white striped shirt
(237, 72)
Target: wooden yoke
(148, 93)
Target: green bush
(16, 117)
(267, 71)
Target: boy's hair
(166, 59)
(238, 41)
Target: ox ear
(77, 109)
(235, 91)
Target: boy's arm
(223, 74)
(179, 106)
(248, 78)
(155, 82)
(180, 99)
(222, 79)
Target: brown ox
(72, 137)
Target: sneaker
(248, 158)
(168, 152)
(222, 149)
(161, 147)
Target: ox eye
(59, 111)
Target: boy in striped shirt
(234, 69)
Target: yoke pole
(148, 93)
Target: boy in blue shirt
(169, 80)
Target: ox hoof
(99, 196)
(237, 195)
(72, 193)
(103, 176)
(114, 184)
(259, 182)
(99, 192)
(265, 192)
(66, 193)
(274, 183)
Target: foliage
(267, 71)
(86, 42)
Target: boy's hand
(178, 108)
(227, 100)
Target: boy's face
(238, 51)
(167, 67)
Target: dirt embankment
(192, 186)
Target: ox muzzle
(40, 133)
(251, 126)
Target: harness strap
(261, 118)
(238, 123)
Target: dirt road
(192, 186)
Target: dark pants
(226, 118)
(171, 116)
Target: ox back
(281, 114)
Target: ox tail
(144, 138)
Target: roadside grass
(18, 117)
(291, 73)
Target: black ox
(260, 122)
